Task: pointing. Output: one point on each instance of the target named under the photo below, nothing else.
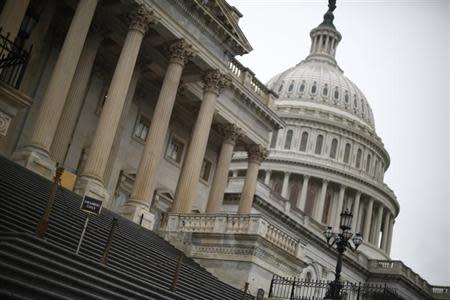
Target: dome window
(281, 87)
(325, 90)
(347, 153)
(314, 88)
(336, 93)
(304, 141)
(302, 87)
(368, 163)
(358, 159)
(333, 150)
(319, 144)
(346, 97)
(288, 142)
(291, 87)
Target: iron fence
(13, 61)
(282, 288)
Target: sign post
(91, 206)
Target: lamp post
(342, 242)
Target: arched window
(281, 86)
(314, 88)
(333, 150)
(302, 87)
(336, 93)
(304, 141)
(288, 142)
(291, 87)
(325, 90)
(376, 171)
(355, 101)
(347, 153)
(273, 141)
(346, 97)
(358, 158)
(319, 144)
(368, 163)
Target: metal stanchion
(104, 259)
(82, 234)
(173, 288)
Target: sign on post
(91, 205)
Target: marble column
(58, 87)
(377, 229)
(389, 240)
(267, 177)
(231, 134)
(384, 241)
(235, 173)
(256, 154)
(75, 99)
(91, 180)
(12, 16)
(186, 191)
(355, 211)
(301, 201)
(337, 213)
(285, 187)
(318, 211)
(144, 186)
(368, 221)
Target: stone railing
(398, 268)
(248, 79)
(233, 224)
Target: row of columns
(378, 219)
(63, 100)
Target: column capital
(325, 181)
(257, 153)
(306, 177)
(230, 132)
(142, 18)
(180, 52)
(214, 82)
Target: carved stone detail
(5, 121)
(141, 19)
(257, 153)
(215, 81)
(230, 132)
(181, 52)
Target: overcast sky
(397, 52)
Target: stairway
(141, 265)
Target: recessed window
(141, 129)
(175, 150)
(358, 159)
(346, 97)
(376, 171)
(273, 141)
(325, 90)
(319, 144)
(288, 142)
(336, 93)
(347, 150)
(368, 163)
(355, 101)
(302, 87)
(281, 87)
(304, 141)
(314, 88)
(333, 150)
(205, 171)
(291, 87)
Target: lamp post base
(334, 291)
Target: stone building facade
(145, 105)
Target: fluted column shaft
(389, 241)
(61, 78)
(387, 222)
(301, 201)
(144, 184)
(231, 133)
(112, 109)
(256, 154)
(190, 172)
(368, 221)
(376, 236)
(356, 212)
(267, 177)
(12, 16)
(285, 187)
(318, 212)
(75, 98)
(337, 213)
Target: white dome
(319, 82)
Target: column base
(92, 187)
(35, 160)
(139, 214)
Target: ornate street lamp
(342, 242)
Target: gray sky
(397, 52)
